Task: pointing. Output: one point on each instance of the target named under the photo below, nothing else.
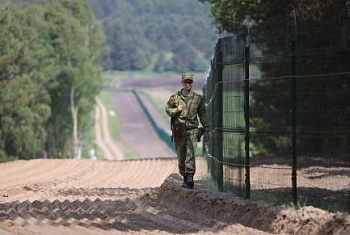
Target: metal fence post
(220, 117)
(347, 47)
(293, 103)
(246, 108)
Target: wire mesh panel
(292, 141)
(270, 121)
(233, 126)
(212, 95)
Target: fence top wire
(303, 76)
(329, 75)
(208, 155)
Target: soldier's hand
(206, 136)
(179, 108)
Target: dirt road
(94, 197)
(136, 130)
(137, 197)
(51, 196)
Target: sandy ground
(116, 196)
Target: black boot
(184, 185)
(189, 181)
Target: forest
(156, 35)
(50, 72)
(53, 53)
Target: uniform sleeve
(170, 107)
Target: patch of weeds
(131, 154)
(209, 184)
(296, 205)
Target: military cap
(187, 76)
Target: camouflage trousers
(185, 146)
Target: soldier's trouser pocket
(179, 129)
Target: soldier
(184, 107)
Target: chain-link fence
(279, 108)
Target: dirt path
(52, 196)
(96, 197)
(136, 129)
(104, 140)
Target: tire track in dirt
(29, 174)
(26, 184)
(132, 213)
(78, 206)
(67, 173)
(103, 137)
(99, 133)
(106, 211)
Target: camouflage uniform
(186, 144)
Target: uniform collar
(189, 94)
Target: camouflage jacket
(190, 117)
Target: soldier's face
(187, 84)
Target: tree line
(50, 71)
(156, 35)
(52, 53)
